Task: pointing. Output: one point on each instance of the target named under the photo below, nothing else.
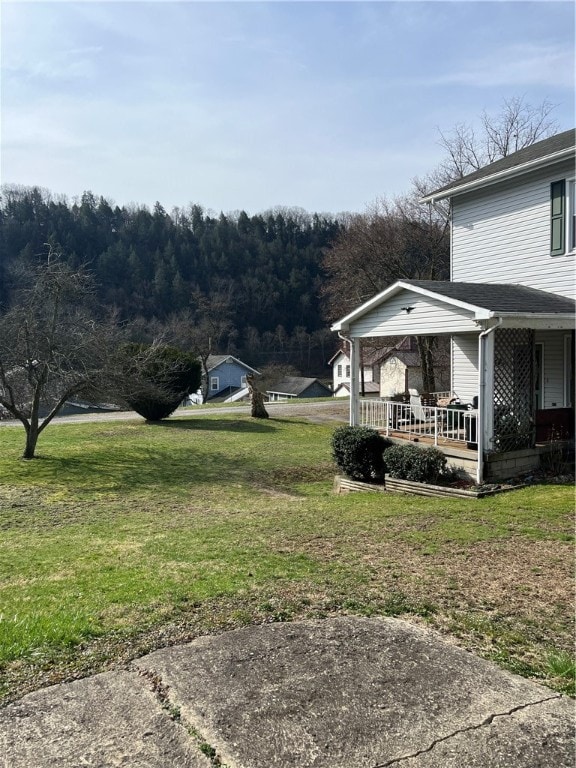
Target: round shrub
(408, 462)
(358, 453)
(158, 379)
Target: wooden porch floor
(450, 447)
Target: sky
(247, 105)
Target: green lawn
(125, 536)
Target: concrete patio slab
(339, 693)
(353, 692)
(112, 719)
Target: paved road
(333, 410)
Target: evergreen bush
(157, 380)
(408, 462)
(358, 453)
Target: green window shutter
(557, 218)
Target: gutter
(482, 400)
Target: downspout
(482, 400)
(351, 419)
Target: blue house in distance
(227, 375)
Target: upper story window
(562, 217)
(339, 372)
(214, 383)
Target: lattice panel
(513, 389)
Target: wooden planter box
(345, 485)
(425, 489)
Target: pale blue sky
(248, 105)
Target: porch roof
(508, 304)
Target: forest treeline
(260, 274)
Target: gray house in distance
(297, 386)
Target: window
(562, 217)
(347, 371)
(243, 381)
(214, 383)
(339, 371)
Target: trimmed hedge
(422, 465)
(358, 453)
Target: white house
(508, 309)
(384, 370)
(400, 372)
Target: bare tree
(51, 346)
(203, 330)
(406, 240)
(517, 125)
(391, 241)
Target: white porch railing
(442, 424)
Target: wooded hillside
(262, 273)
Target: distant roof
(214, 361)
(370, 355)
(410, 359)
(555, 148)
(370, 387)
(295, 385)
(373, 355)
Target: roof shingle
(500, 297)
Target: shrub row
(363, 454)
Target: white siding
(465, 366)
(553, 367)
(428, 317)
(344, 361)
(502, 235)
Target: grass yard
(123, 537)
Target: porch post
(488, 415)
(485, 425)
(354, 382)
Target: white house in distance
(369, 372)
(400, 372)
(508, 309)
(384, 371)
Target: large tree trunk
(31, 440)
(425, 348)
(257, 400)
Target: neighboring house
(371, 389)
(226, 375)
(297, 386)
(400, 372)
(371, 368)
(509, 310)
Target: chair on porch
(422, 414)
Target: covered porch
(512, 351)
